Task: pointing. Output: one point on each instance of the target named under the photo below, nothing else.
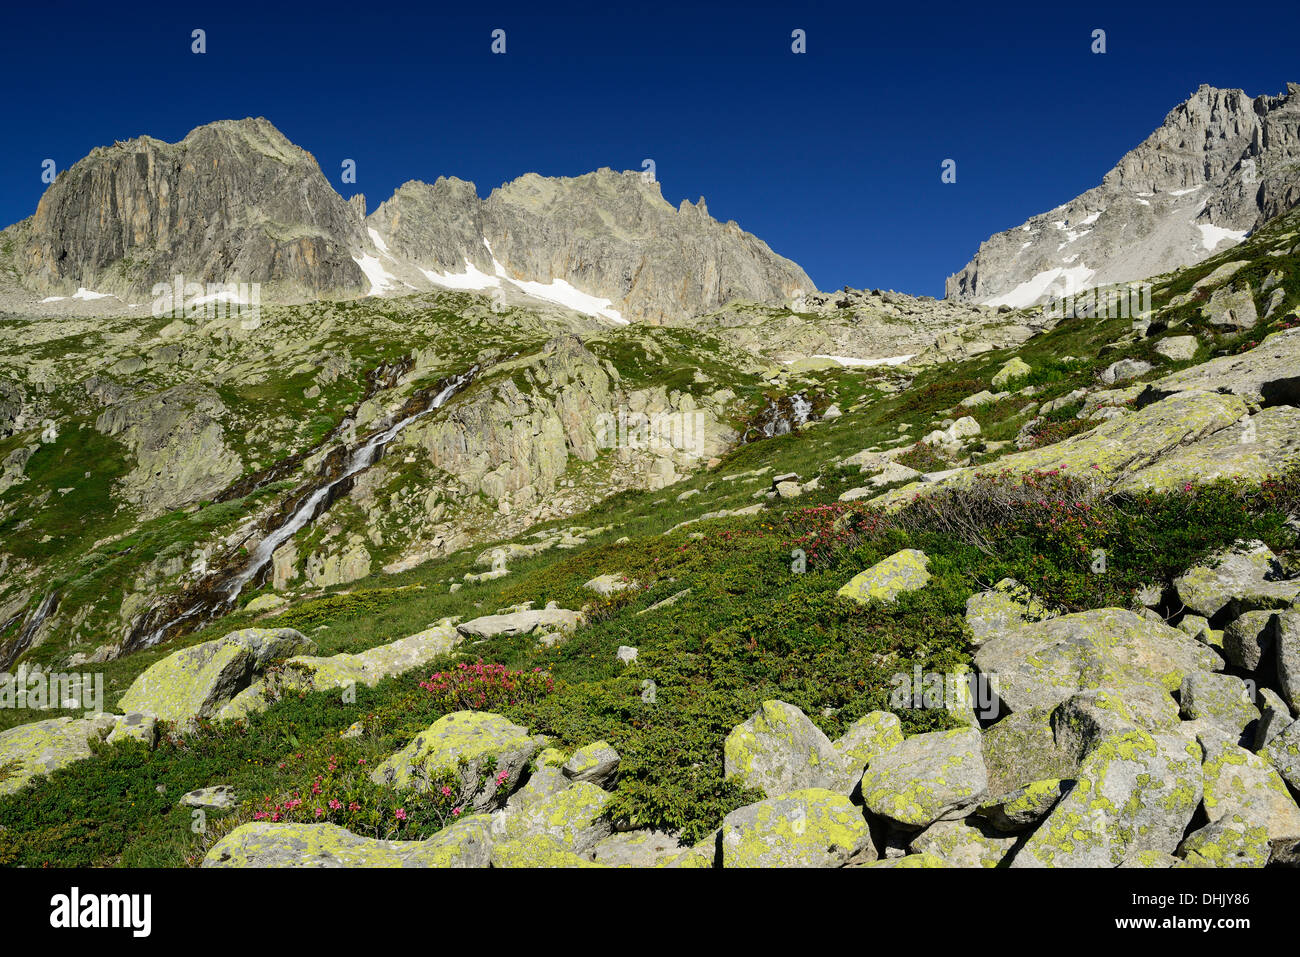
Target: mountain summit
(236, 201)
(1219, 165)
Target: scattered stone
(968, 843)
(1123, 370)
(1246, 577)
(42, 747)
(1006, 606)
(1178, 348)
(903, 571)
(606, 585)
(1015, 368)
(626, 654)
(552, 620)
(219, 797)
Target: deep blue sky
(833, 157)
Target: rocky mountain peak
(1219, 165)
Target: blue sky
(833, 157)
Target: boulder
(522, 623)
(1274, 717)
(1226, 843)
(606, 585)
(1001, 609)
(1178, 348)
(1021, 749)
(1247, 789)
(872, 734)
(1014, 368)
(197, 682)
(779, 750)
(637, 849)
(43, 747)
(465, 742)
(1283, 752)
(1122, 370)
(907, 570)
(1247, 569)
(1023, 808)
(1135, 792)
(219, 797)
(134, 727)
(1042, 664)
(969, 843)
(1231, 308)
(573, 817)
(810, 827)
(1249, 639)
(466, 843)
(929, 777)
(1223, 701)
(1288, 656)
(596, 762)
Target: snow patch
(378, 240)
(866, 363)
(1184, 192)
(471, 278)
(1031, 290)
(1212, 235)
(54, 299)
(84, 293)
(380, 278)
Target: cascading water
(781, 416)
(361, 458)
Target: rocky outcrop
(1221, 164)
(610, 235)
(232, 202)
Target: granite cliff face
(232, 202)
(1220, 165)
(611, 235)
(235, 201)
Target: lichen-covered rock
(1274, 717)
(1228, 842)
(911, 861)
(1249, 639)
(1246, 788)
(572, 817)
(134, 727)
(1024, 807)
(1021, 749)
(1222, 700)
(303, 672)
(1005, 606)
(1283, 750)
(467, 843)
(927, 778)
(486, 751)
(606, 585)
(884, 581)
(810, 827)
(43, 747)
(1248, 573)
(548, 620)
(637, 849)
(219, 797)
(779, 749)
(969, 843)
(596, 762)
(1288, 656)
(703, 854)
(539, 851)
(1013, 369)
(542, 783)
(1042, 664)
(197, 682)
(872, 734)
(1136, 791)
(1151, 860)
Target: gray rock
(929, 777)
(1134, 792)
(810, 827)
(1283, 750)
(1246, 789)
(1275, 715)
(779, 750)
(970, 843)
(1288, 656)
(1249, 639)
(1221, 700)
(596, 762)
(218, 797)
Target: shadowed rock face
(1220, 164)
(609, 234)
(232, 202)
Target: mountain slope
(1220, 165)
